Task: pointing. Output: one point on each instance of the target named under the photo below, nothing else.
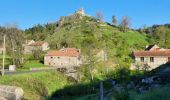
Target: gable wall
(157, 61)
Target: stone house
(153, 56)
(66, 57)
(31, 45)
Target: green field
(36, 85)
(31, 64)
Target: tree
(99, 16)
(122, 74)
(146, 67)
(159, 35)
(167, 41)
(114, 20)
(125, 23)
(14, 44)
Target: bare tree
(14, 44)
(125, 23)
(99, 15)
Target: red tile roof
(38, 43)
(151, 53)
(71, 52)
(152, 50)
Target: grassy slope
(155, 94)
(134, 37)
(35, 85)
(81, 33)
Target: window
(168, 59)
(58, 57)
(151, 59)
(51, 57)
(142, 59)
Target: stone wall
(61, 61)
(29, 49)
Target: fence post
(101, 91)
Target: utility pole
(3, 56)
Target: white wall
(157, 61)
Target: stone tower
(80, 11)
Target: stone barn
(63, 58)
(31, 45)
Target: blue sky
(27, 13)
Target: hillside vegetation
(88, 34)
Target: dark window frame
(168, 59)
(142, 59)
(151, 59)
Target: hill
(88, 33)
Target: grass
(6, 56)
(31, 64)
(7, 60)
(155, 94)
(36, 85)
(134, 37)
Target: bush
(121, 95)
(122, 74)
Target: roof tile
(71, 52)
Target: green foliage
(121, 95)
(35, 85)
(167, 41)
(159, 34)
(122, 74)
(32, 64)
(85, 32)
(74, 90)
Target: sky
(27, 13)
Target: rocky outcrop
(11, 93)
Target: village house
(30, 46)
(153, 56)
(66, 57)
